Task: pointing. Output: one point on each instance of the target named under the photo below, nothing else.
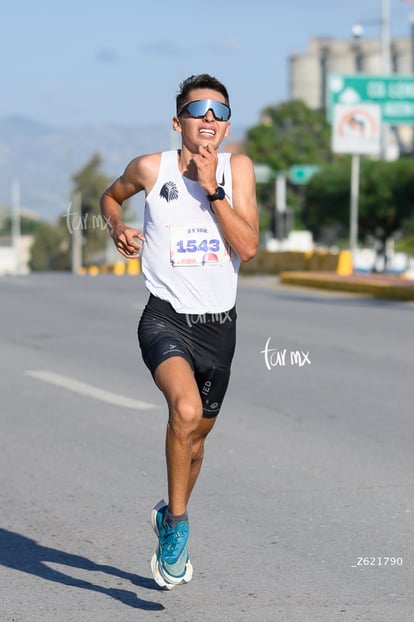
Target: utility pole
(76, 214)
(385, 66)
(353, 229)
(280, 205)
(15, 223)
(385, 37)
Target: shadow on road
(26, 555)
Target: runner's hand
(126, 240)
(206, 161)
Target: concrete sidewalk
(378, 285)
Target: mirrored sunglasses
(199, 108)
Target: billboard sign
(356, 129)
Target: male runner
(200, 222)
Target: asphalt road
(304, 509)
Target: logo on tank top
(169, 191)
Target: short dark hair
(202, 81)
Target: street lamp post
(386, 66)
(385, 37)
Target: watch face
(219, 194)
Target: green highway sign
(300, 174)
(394, 94)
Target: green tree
(52, 245)
(290, 133)
(405, 243)
(90, 182)
(386, 199)
(327, 203)
(28, 226)
(50, 249)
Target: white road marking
(87, 389)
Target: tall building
(308, 71)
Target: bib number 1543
(194, 246)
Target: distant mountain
(44, 157)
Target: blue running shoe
(170, 563)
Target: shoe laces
(173, 536)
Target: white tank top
(186, 259)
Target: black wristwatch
(219, 194)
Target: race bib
(197, 245)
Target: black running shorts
(206, 341)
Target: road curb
(390, 287)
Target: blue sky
(89, 61)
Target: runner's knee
(185, 416)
